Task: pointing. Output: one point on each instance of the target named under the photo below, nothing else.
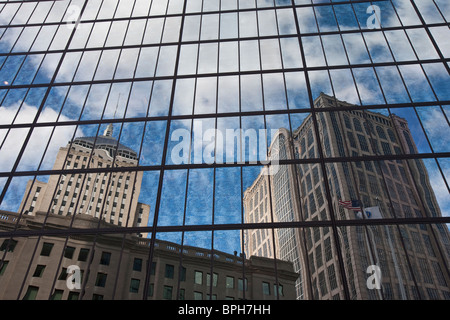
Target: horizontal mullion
(216, 227)
(228, 165)
(231, 73)
(225, 114)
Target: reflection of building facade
(117, 266)
(111, 196)
(399, 188)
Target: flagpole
(339, 233)
(367, 241)
(396, 266)
(394, 259)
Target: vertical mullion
(136, 172)
(31, 187)
(190, 146)
(180, 267)
(355, 180)
(157, 56)
(13, 17)
(385, 186)
(440, 249)
(315, 112)
(135, 178)
(436, 97)
(423, 70)
(410, 98)
(110, 175)
(26, 55)
(296, 186)
(58, 182)
(83, 286)
(188, 171)
(239, 159)
(430, 36)
(132, 192)
(185, 206)
(215, 157)
(439, 10)
(316, 124)
(320, 150)
(374, 150)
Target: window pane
(252, 149)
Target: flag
(350, 204)
(370, 213)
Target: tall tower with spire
(110, 196)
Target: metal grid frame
(154, 228)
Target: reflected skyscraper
(116, 267)
(258, 204)
(113, 197)
(389, 186)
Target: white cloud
(36, 150)
(146, 66)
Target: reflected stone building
(117, 266)
(111, 196)
(413, 258)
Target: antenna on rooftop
(109, 129)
